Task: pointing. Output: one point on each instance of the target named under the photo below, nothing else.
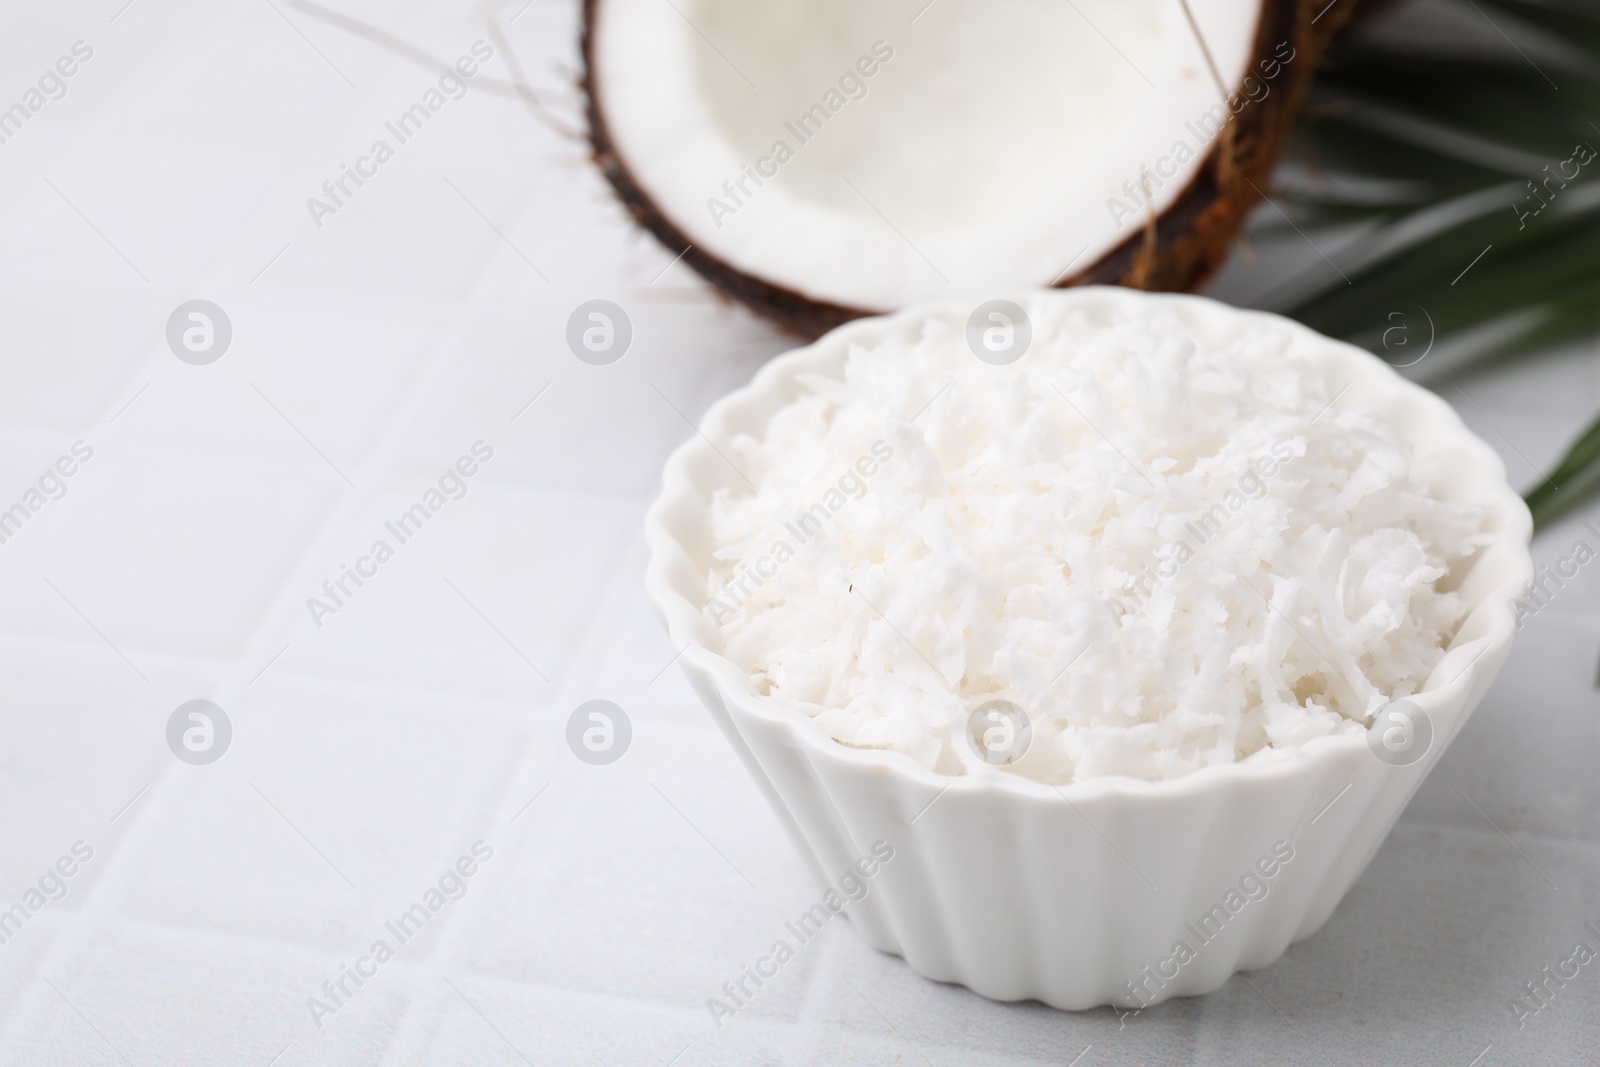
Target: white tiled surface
(370, 752)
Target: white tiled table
(370, 752)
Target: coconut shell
(1176, 251)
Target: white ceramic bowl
(1080, 896)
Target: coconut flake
(1169, 553)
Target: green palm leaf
(1471, 186)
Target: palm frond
(1471, 181)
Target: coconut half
(826, 159)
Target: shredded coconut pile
(1169, 552)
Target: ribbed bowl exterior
(1111, 891)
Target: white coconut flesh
(988, 147)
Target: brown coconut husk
(1177, 251)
